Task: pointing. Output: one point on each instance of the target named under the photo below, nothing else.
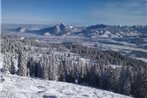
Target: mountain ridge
(98, 30)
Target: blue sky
(76, 12)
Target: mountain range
(98, 30)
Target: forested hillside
(75, 63)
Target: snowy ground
(1, 61)
(23, 87)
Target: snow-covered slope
(1, 61)
(25, 87)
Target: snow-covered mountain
(99, 30)
(19, 29)
(58, 29)
(24, 87)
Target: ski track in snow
(24, 87)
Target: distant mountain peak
(61, 23)
(19, 29)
